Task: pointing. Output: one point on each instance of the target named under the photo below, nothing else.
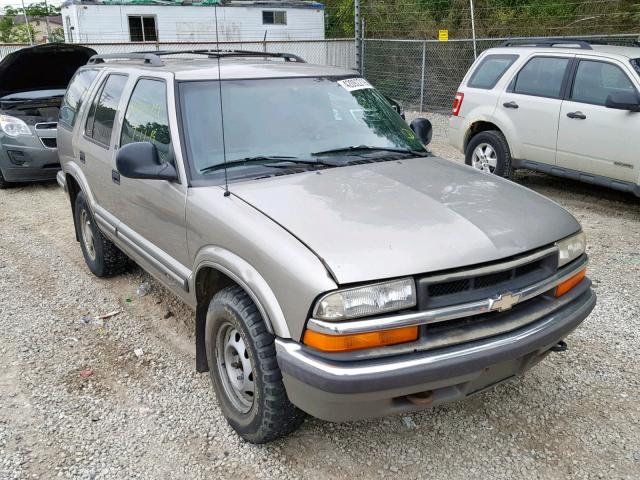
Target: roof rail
(147, 58)
(547, 42)
(154, 58)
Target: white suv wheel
(484, 158)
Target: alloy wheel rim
(484, 158)
(87, 234)
(235, 368)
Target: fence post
(424, 58)
(473, 31)
(358, 35)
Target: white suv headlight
(368, 300)
(571, 248)
(13, 126)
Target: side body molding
(241, 272)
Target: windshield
(313, 119)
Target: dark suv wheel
(102, 257)
(242, 363)
(489, 152)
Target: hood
(383, 220)
(42, 67)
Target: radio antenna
(224, 147)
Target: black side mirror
(423, 130)
(396, 106)
(141, 160)
(623, 101)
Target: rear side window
(74, 97)
(542, 77)
(490, 70)
(103, 110)
(595, 81)
(147, 120)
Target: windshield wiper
(369, 148)
(267, 161)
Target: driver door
(152, 212)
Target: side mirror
(423, 130)
(141, 160)
(623, 101)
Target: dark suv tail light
(457, 103)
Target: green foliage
(493, 18)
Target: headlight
(13, 126)
(571, 248)
(368, 300)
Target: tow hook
(561, 346)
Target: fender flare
(245, 275)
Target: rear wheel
(243, 368)
(489, 152)
(102, 257)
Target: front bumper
(26, 160)
(342, 391)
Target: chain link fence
(424, 75)
(338, 52)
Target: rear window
(103, 110)
(74, 97)
(541, 77)
(490, 70)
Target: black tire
(3, 183)
(270, 414)
(498, 143)
(105, 259)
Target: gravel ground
(149, 415)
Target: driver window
(595, 81)
(147, 120)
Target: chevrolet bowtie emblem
(504, 302)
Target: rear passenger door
(529, 109)
(151, 213)
(591, 137)
(96, 149)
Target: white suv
(565, 107)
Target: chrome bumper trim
(445, 313)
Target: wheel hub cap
(87, 234)
(484, 158)
(234, 367)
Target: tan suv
(335, 267)
(561, 106)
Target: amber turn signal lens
(344, 343)
(567, 285)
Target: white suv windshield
(289, 118)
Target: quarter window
(542, 77)
(595, 81)
(147, 120)
(74, 97)
(490, 70)
(103, 111)
(274, 17)
(142, 28)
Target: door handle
(578, 115)
(82, 159)
(115, 177)
(510, 104)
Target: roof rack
(154, 58)
(547, 42)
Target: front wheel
(243, 368)
(489, 152)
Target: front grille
(46, 126)
(49, 142)
(489, 281)
(448, 288)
